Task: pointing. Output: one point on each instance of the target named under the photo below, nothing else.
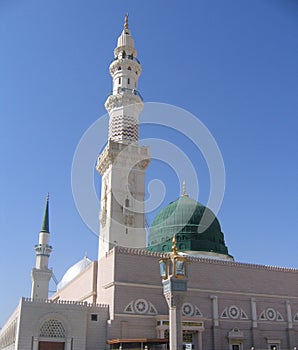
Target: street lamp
(173, 271)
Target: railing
(130, 57)
(129, 91)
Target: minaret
(123, 162)
(41, 274)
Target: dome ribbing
(195, 226)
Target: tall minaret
(41, 274)
(123, 162)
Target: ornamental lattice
(124, 128)
(52, 329)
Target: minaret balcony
(120, 64)
(130, 57)
(124, 97)
(41, 249)
(135, 92)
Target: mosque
(117, 301)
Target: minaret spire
(41, 274)
(184, 192)
(45, 221)
(126, 21)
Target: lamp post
(174, 279)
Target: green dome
(195, 226)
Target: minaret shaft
(123, 162)
(41, 274)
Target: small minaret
(41, 274)
(123, 162)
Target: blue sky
(233, 64)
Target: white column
(254, 312)
(68, 344)
(175, 317)
(214, 310)
(289, 314)
(35, 343)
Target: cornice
(144, 252)
(123, 100)
(124, 63)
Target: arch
(52, 328)
(54, 316)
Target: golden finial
(126, 21)
(184, 193)
(174, 246)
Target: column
(215, 328)
(175, 317)
(35, 343)
(254, 318)
(68, 344)
(291, 333)
(200, 341)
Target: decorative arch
(59, 318)
(52, 328)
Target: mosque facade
(117, 301)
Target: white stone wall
(81, 288)
(8, 333)
(75, 318)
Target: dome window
(119, 68)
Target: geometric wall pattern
(234, 312)
(189, 309)
(124, 128)
(52, 329)
(270, 314)
(140, 306)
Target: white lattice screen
(52, 329)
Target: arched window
(127, 202)
(129, 68)
(52, 329)
(119, 68)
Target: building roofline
(192, 259)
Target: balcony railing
(121, 90)
(130, 57)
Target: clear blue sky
(233, 64)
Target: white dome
(74, 271)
